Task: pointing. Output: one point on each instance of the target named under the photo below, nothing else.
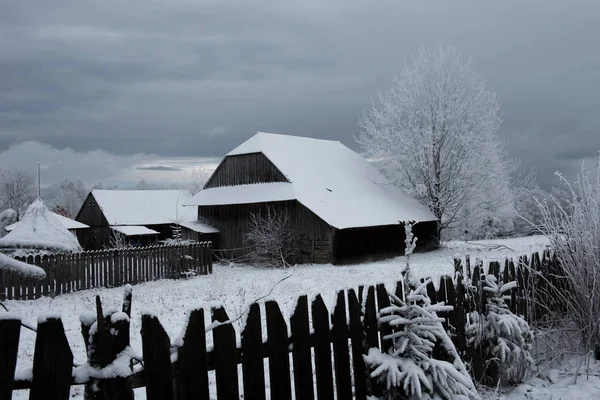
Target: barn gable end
(244, 169)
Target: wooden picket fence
(322, 357)
(70, 272)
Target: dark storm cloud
(158, 168)
(193, 78)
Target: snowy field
(237, 286)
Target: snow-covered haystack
(39, 230)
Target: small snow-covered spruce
(409, 369)
(505, 338)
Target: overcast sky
(113, 90)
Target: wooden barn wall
(234, 223)
(380, 242)
(245, 169)
(426, 232)
(98, 232)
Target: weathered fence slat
(192, 361)
(225, 353)
(253, 369)
(341, 353)
(357, 339)
(302, 358)
(323, 366)
(10, 330)
(279, 359)
(157, 360)
(52, 362)
(383, 301)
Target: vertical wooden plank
(52, 274)
(10, 330)
(38, 282)
(46, 281)
(459, 319)
(209, 255)
(16, 286)
(494, 269)
(431, 292)
(253, 356)
(10, 283)
(370, 320)
(279, 359)
(30, 281)
(52, 362)
(399, 292)
(357, 340)
(225, 354)
(383, 301)
(192, 361)
(3, 285)
(134, 272)
(157, 360)
(341, 352)
(322, 348)
(302, 357)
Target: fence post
(301, 350)
(52, 362)
(357, 340)
(322, 347)
(340, 348)
(157, 360)
(225, 353)
(10, 330)
(192, 371)
(279, 359)
(253, 360)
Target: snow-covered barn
(144, 216)
(343, 209)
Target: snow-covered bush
(118, 241)
(505, 338)
(274, 243)
(409, 368)
(572, 223)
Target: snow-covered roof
(134, 230)
(244, 194)
(198, 226)
(68, 223)
(327, 177)
(144, 207)
(39, 228)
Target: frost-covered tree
(409, 369)
(572, 223)
(71, 195)
(433, 133)
(142, 185)
(505, 338)
(17, 189)
(197, 179)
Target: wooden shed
(144, 216)
(342, 208)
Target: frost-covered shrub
(505, 338)
(273, 241)
(409, 369)
(571, 221)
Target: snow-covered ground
(236, 286)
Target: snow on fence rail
(70, 272)
(322, 345)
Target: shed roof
(134, 230)
(144, 207)
(331, 180)
(198, 226)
